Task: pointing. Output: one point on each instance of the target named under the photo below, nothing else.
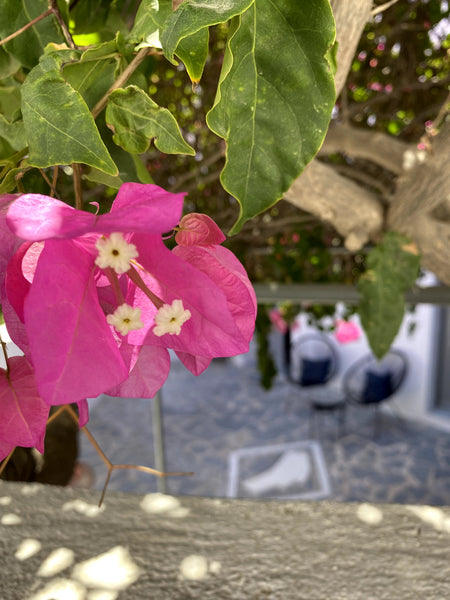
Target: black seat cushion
(315, 371)
(378, 386)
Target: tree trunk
(420, 204)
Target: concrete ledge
(175, 548)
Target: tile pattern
(225, 409)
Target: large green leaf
(94, 73)
(193, 15)
(135, 119)
(275, 64)
(29, 45)
(60, 128)
(392, 268)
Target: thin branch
(100, 502)
(365, 179)
(445, 108)
(25, 27)
(62, 24)
(123, 77)
(46, 179)
(382, 8)
(6, 461)
(56, 414)
(194, 173)
(54, 180)
(77, 186)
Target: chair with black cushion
(370, 382)
(313, 363)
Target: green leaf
(60, 128)
(8, 64)
(9, 100)
(275, 64)
(9, 181)
(131, 167)
(332, 58)
(135, 119)
(13, 133)
(97, 176)
(95, 71)
(149, 22)
(193, 15)
(29, 45)
(392, 268)
(193, 51)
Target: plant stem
(113, 279)
(55, 10)
(25, 27)
(6, 461)
(77, 186)
(123, 77)
(54, 180)
(137, 279)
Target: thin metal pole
(158, 442)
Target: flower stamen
(170, 318)
(125, 319)
(115, 252)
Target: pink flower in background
(346, 331)
(278, 321)
(96, 301)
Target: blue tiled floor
(225, 409)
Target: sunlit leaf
(275, 65)
(149, 22)
(392, 268)
(135, 119)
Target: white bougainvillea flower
(170, 318)
(125, 319)
(115, 252)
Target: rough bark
(350, 18)
(421, 206)
(354, 212)
(380, 148)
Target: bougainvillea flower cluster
(96, 301)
